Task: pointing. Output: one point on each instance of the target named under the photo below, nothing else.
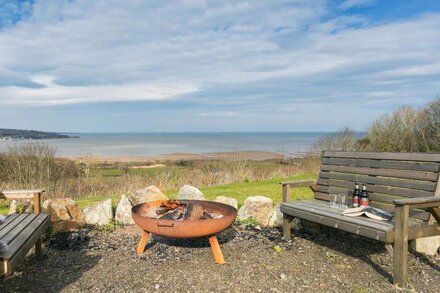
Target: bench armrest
(296, 184)
(419, 202)
(25, 194)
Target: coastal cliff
(18, 134)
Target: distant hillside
(17, 134)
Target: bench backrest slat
(388, 176)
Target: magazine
(371, 212)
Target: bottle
(356, 195)
(364, 196)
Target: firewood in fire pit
(175, 210)
(206, 216)
(193, 212)
(175, 214)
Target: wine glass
(333, 200)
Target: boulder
(65, 214)
(150, 193)
(276, 220)
(227, 200)
(99, 213)
(427, 245)
(63, 209)
(58, 212)
(123, 211)
(190, 192)
(13, 207)
(67, 226)
(258, 207)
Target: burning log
(193, 212)
(176, 210)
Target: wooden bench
(406, 184)
(22, 231)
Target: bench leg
(5, 269)
(400, 261)
(38, 249)
(287, 232)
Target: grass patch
(270, 188)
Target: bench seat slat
(384, 164)
(422, 157)
(416, 175)
(17, 219)
(376, 188)
(410, 184)
(8, 219)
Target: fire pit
(184, 219)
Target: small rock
(150, 193)
(190, 192)
(276, 220)
(123, 211)
(427, 245)
(227, 200)
(99, 213)
(13, 207)
(258, 207)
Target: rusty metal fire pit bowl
(184, 219)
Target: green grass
(239, 190)
(270, 188)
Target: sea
(153, 144)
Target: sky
(193, 65)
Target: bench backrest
(388, 176)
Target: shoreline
(173, 157)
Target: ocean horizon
(127, 144)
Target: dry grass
(35, 166)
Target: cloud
(348, 4)
(214, 58)
(49, 93)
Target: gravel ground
(257, 260)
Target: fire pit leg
(144, 239)
(215, 247)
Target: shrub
(343, 140)
(396, 132)
(33, 165)
(429, 126)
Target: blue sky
(128, 66)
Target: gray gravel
(99, 261)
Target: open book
(373, 213)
